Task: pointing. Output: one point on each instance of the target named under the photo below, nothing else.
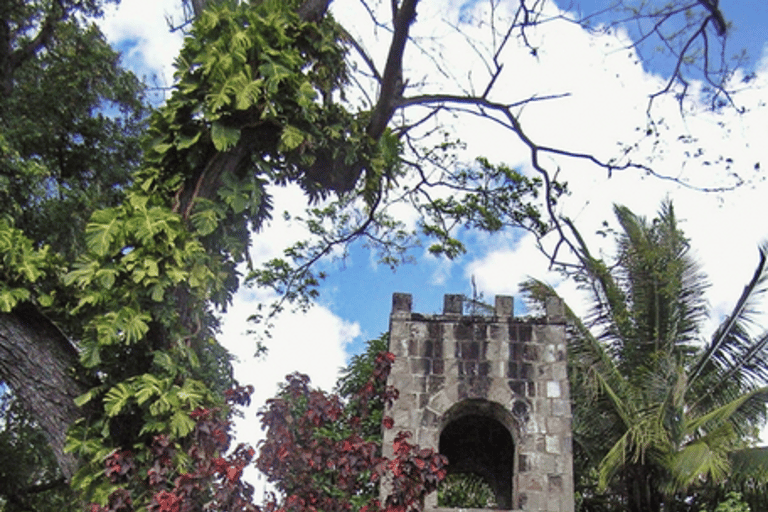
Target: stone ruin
(489, 392)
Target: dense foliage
(30, 478)
(320, 457)
(661, 416)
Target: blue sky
(362, 292)
(609, 86)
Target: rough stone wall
(510, 370)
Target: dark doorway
(480, 445)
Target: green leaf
(205, 221)
(291, 138)
(274, 71)
(45, 300)
(106, 277)
(87, 396)
(224, 137)
(10, 297)
(117, 398)
(248, 95)
(150, 386)
(184, 142)
(102, 230)
(181, 424)
(135, 325)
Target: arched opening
(480, 448)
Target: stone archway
(477, 443)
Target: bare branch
(392, 80)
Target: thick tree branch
(36, 361)
(392, 80)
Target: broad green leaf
(184, 142)
(102, 230)
(248, 95)
(147, 390)
(307, 95)
(291, 138)
(160, 406)
(274, 71)
(135, 326)
(106, 277)
(205, 221)
(224, 137)
(117, 398)
(162, 147)
(87, 396)
(10, 297)
(157, 292)
(181, 424)
(45, 300)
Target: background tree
(70, 123)
(661, 413)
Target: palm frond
(750, 463)
(725, 412)
(732, 349)
(704, 457)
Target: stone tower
(489, 392)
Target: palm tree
(663, 412)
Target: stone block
(420, 366)
(526, 371)
(498, 332)
(524, 332)
(401, 303)
(554, 444)
(554, 503)
(517, 387)
(418, 331)
(555, 308)
(553, 389)
(560, 407)
(432, 348)
(499, 393)
(453, 304)
(440, 403)
(435, 383)
(544, 372)
(504, 305)
(559, 371)
(531, 352)
(549, 353)
(556, 425)
(560, 350)
(402, 418)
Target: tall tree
(661, 412)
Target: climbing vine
(255, 103)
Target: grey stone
(504, 305)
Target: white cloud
(143, 26)
(313, 343)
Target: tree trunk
(36, 361)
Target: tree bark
(36, 361)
